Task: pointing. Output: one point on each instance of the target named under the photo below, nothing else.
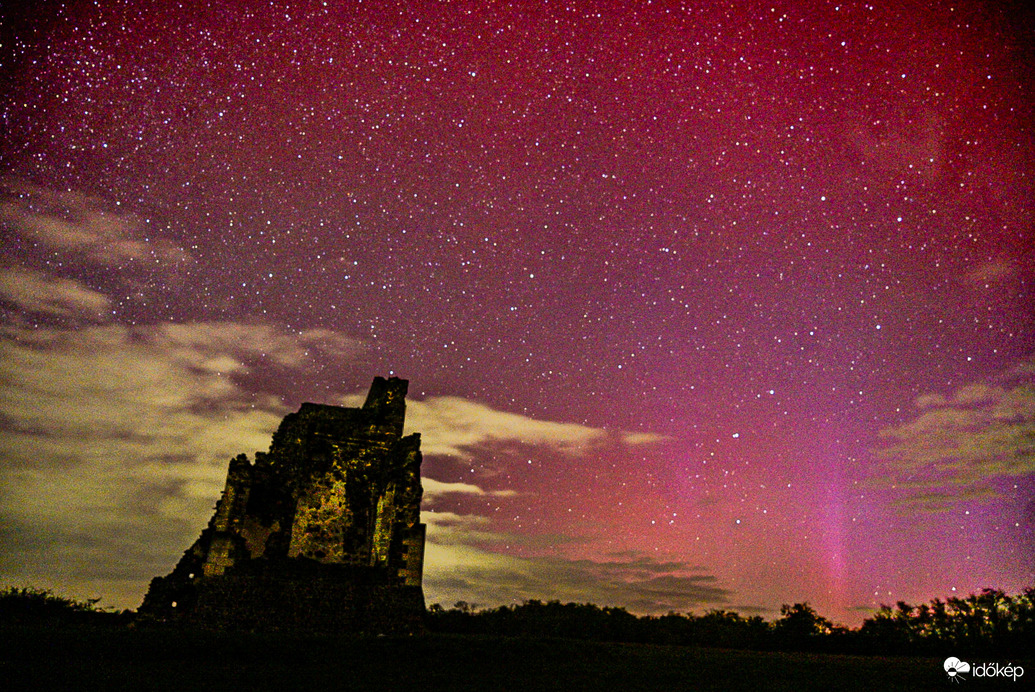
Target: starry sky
(702, 304)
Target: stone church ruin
(323, 532)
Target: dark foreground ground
(84, 658)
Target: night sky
(702, 305)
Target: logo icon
(955, 668)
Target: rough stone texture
(322, 532)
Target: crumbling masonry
(321, 533)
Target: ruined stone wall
(329, 518)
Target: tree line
(987, 623)
(990, 622)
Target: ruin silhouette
(322, 533)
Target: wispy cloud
(453, 427)
(993, 273)
(92, 229)
(35, 292)
(434, 489)
(959, 444)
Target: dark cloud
(461, 565)
(490, 579)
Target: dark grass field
(90, 658)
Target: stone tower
(322, 532)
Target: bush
(27, 605)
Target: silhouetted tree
(989, 621)
(26, 605)
(800, 626)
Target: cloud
(451, 528)
(453, 426)
(462, 563)
(457, 571)
(86, 226)
(959, 445)
(993, 273)
(196, 340)
(34, 291)
(115, 439)
(434, 489)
